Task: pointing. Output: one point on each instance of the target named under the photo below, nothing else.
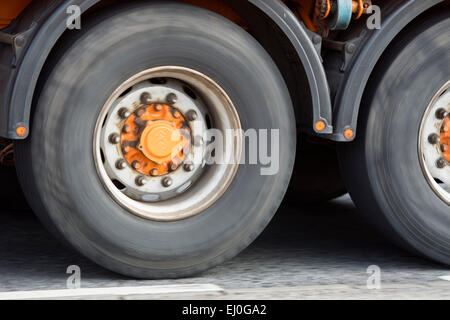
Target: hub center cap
(160, 141)
(445, 138)
(155, 139)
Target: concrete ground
(308, 252)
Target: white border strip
(114, 291)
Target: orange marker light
(21, 131)
(320, 125)
(349, 134)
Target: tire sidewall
(400, 187)
(97, 63)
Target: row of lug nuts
(434, 139)
(124, 113)
(141, 180)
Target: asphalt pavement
(308, 252)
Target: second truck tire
(385, 167)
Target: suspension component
(337, 14)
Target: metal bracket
(17, 41)
(316, 41)
(348, 49)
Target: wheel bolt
(444, 147)
(441, 113)
(171, 98)
(140, 112)
(124, 113)
(154, 172)
(441, 163)
(121, 164)
(433, 138)
(191, 115)
(136, 165)
(146, 98)
(167, 182)
(189, 167)
(141, 181)
(173, 166)
(114, 138)
(126, 129)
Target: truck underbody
(93, 92)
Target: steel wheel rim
(434, 162)
(210, 182)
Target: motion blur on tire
(117, 112)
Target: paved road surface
(306, 253)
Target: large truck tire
(397, 170)
(144, 51)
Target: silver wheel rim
(193, 190)
(433, 160)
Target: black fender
(312, 62)
(40, 38)
(17, 97)
(349, 97)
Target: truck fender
(349, 97)
(17, 99)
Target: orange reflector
(21, 131)
(320, 125)
(349, 134)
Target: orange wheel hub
(445, 138)
(155, 139)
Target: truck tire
(397, 171)
(145, 50)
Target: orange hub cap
(445, 138)
(155, 139)
(160, 141)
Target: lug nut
(136, 165)
(167, 182)
(140, 112)
(126, 129)
(441, 163)
(189, 167)
(433, 138)
(124, 113)
(191, 115)
(158, 107)
(444, 147)
(141, 181)
(171, 98)
(114, 138)
(121, 164)
(441, 113)
(146, 98)
(154, 172)
(173, 166)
